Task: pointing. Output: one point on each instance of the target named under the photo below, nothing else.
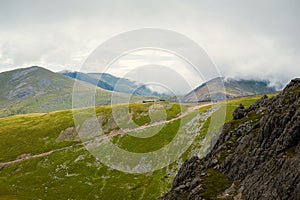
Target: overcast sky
(246, 39)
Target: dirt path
(28, 157)
(109, 136)
(128, 130)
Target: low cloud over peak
(245, 39)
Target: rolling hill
(36, 89)
(214, 89)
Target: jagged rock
(195, 182)
(259, 103)
(194, 193)
(239, 112)
(186, 169)
(261, 155)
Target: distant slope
(213, 89)
(113, 83)
(36, 89)
(89, 79)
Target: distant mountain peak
(220, 88)
(110, 82)
(36, 89)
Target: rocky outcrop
(239, 112)
(69, 134)
(257, 155)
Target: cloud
(246, 39)
(157, 67)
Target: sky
(252, 39)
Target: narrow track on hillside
(129, 130)
(108, 136)
(38, 155)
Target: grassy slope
(74, 173)
(35, 90)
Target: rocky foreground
(257, 155)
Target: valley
(149, 100)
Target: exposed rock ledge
(257, 155)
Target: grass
(291, 152)
(159, 140)
(48, 176)
(74, 173)
(58, 175)
(33, 133)
(143, 145)
(161, 111)
(214, 183)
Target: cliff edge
(257, 155)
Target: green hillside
(49, 162)
(35, 89)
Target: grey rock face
(239, 112)
(45, 82)
(259, 152)
(20, 93)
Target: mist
(245, 39)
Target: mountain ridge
(113, 83)
(36, 89)
(220, 88)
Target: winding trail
(108, 136)
(181, 115)
(28, 157)
(129, 130)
